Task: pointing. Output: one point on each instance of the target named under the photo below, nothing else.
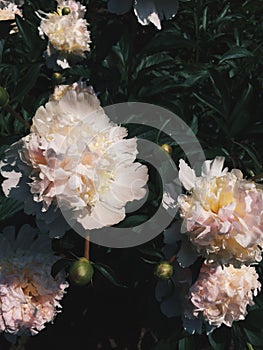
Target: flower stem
(15, 115)
(172, 259)
(87, 245)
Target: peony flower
(150, 11)
(221, 294)
(29, 295)
(8, 11)
(67, 35)
(223, 213)
(78, 160)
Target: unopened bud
(65, 11)
(57, 77)
(81, 272)
(164, 270)
(167, 148)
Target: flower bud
(4, 97)
(65, 11)
(57, 77)
(81, 272)
(164, 270)
(167, 148)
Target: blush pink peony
(29, 295)
(221, 294)
(222, 212)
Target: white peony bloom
(67, 34)
(223, 213)
(77, 158)
(221, 294)
(29, 295)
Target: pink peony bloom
(29, 295)
(78, 159)
(221, 294)
(223, 213)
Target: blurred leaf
(255, 338)
(250, 153)
(2, 43)
(152, 253)
(29, 80)
(59, 265)
(210, 102)
(234, 53)
(186, 344)
(109, 274)
(220, 339)
(9, 207)
(239, 118)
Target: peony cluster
(79, 160)
(222, 294)
(8, 11)
(223, 213)
(223, 219)
(66, 30)
(29, 295)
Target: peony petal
(186, 175)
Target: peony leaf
(59, 265)
(108, 273)
(236, 52)
(9, 207)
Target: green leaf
(239, 117)
(59, 265)
(220, 339)
(153, 60)
(9, 207)
(220, 88)
(165, 345)
(151, 252)
(204, 21)
(251, 154)
(28, 81)
(255, 318)
(186, 344)
(2, 43)
(236, 52)
(108, 273)
(28, 33)
(254, 338)
(210, 102)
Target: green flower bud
(4, 97)
(81, 272)
(65, 11)
(167, 148)
(57, 77)
(164, 270)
